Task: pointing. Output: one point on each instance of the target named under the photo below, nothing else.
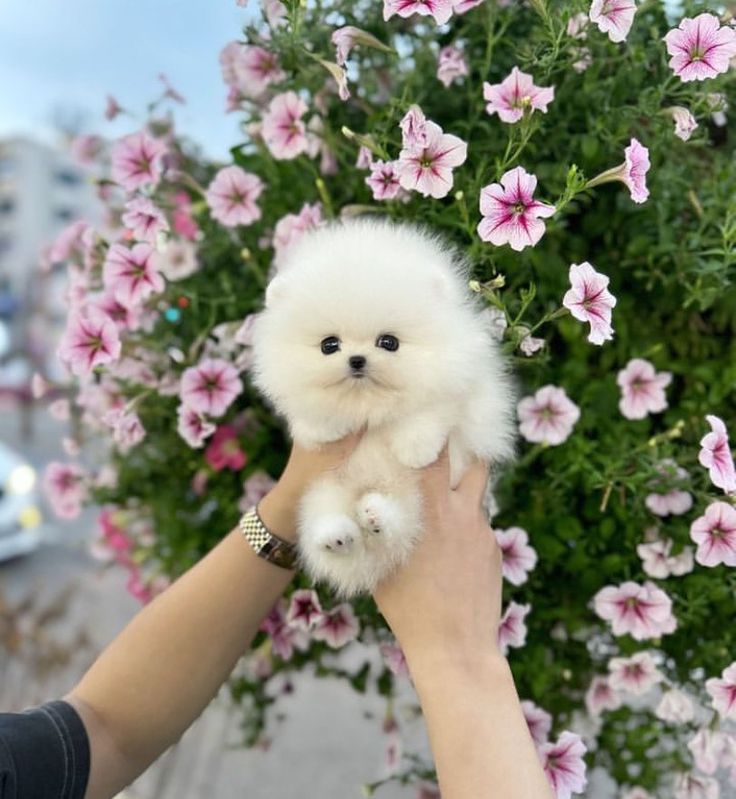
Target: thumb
(435, 478)
(472, 485)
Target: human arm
(444, 607)
(164, 668)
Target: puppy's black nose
(356, 362)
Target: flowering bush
(580, 155)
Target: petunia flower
(657, 561)
(642, 389)
(715, 455)
(700, 47)
(674, 501)
(290, 228)
(613, 17)
(210, 387)
(136, 161)
(634, 675)
(65, 487)
(642, 611)
(193, 427)
(675, 707)
(283, 129)
(707, 748)
(538, 721)
(224, 451)
(601, 696)
(723, 692)
(413, 129)
(144, 219)
(428, 169)
(696, 786)
(577, 26)
(305, 610)
(232, 195)
(384, 180)
(547, 417)
(564, 765)
(451, 65)
(590, 301)
(254, 69)
(91, 339)
(133, 275)
(254, 489)
(632, 172)
(285, 638)
(127, 429)
(715, 534)
(441, 10)
(512, 629)
(518, 557)
(182, 217)
(393, 657)
(463, 6)
(510, 213)
(112, 108)
(349, 36)
(337, 627)
(516, 95)
(179, 260)
(685, 122)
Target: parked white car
(20, 514)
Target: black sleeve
(44, 753)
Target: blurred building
(41, 192)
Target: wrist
(431, 668)
(278, 510)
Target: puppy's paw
(336, 534)
(419, 447)
(378, 514)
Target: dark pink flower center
(716, 532)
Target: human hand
(278, 508)
(445, 602)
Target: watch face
(279, 552)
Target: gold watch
(267, 545)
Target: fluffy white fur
(356, 281)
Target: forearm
(160, 673)
(479, 737)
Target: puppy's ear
(275, 291)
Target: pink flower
(65, 488)
(428, 169)
(132, 275)
(657, 561)
(91, 339)
(564, 765)
(463, 6)
(538, 721)
(601, 696)
(707, 747)
(254, 69)
(364, 159)
(642, 611)
(673, 501)
(518, 557)
(127, 430)
(634, 675)
(112, 108)
(515, 95)
(193, 427)
(283, 130)
(642, 389)
(414, 129)
(512, 629)
(693, 786)
(85, 149)
(232, 196)
(548, 417)
(685, 122)
(613, 17)
(632, 172)
(136, 161)
(384, 180)
(183, 221)
(577, 26)
(254, 489)
(68, 242)
(715, 534)
(511, 215)
(590, 301)
(700, 47)
(675, 707)
(179, 260)
(144, 219)
(451, 65)
(441, 10)
(337, 626)
(284, 637)
(723, 692)
(290, 228)
(224, 451)
(715, 455)
(210, 387)
(305, 610)
(348, 36)
(393, 657)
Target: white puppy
(370, 324)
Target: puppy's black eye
(387, 342)
(330, 344)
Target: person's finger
(473, 483)
(435, 478)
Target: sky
(62, 57)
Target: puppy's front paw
(418, 447)
(378, 513)
(336, 534)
